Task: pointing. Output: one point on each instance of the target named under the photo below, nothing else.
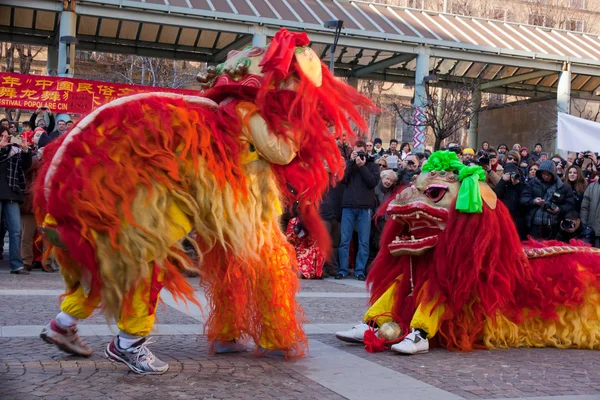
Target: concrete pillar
(420, 100)
(474, 122)
(52, 61)
(259, 38)
(66, 50)
(353, 81)
(563, 95)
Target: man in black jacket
(361, 178)
(572, 228)
(509, 190)
(14, 161)
(548, 200)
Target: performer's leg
(135, 324)
(281, 316)
(378, 314)
(425, 324)
(62, 331)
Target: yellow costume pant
(139, 319)
(423, 318)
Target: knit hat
(546, 166)
(515, 154)
(468, 150)
(377, 140)
(510, 167)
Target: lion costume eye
(436, 192)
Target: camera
(362, 155)
(515, 176)
(555, 197)
(567, 225)
(482, 158)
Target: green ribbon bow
(469, 195)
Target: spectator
(393, 150)
(525, 157)
(344, 147)
(516, 147)
(468, 155)
(13, 129)
(409, 170)
(28, 132)
(537, 152)
(485, 146)
(70, 125)
(496, 170)
(382, 162)
(331, 214)
(532, 172)
(61, 129)
(502, 149)
(576, 181)
(548, 200)
(4, 123)
(509, 190)
(370, 153)
(404, 150)
(361, 177)
(309, 257)
(44, 112)
(543, 157)
(590, 208)
(560, 166)
(378, 147)
(383, 191)
(14, 160)
(571, 228)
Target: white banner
(577, 134)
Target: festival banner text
(66, 95)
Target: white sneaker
(413, 343)
(354, 335)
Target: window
(536, 19)
(498, 13)
(574, 25)
(415, 4)
(578, 4)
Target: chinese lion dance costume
(119, 193)
(444, 274)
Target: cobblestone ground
(32, 369)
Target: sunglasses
(369, 145)
(510, 158)
(410, 162)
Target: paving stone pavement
(32, 369)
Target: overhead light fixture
(337, 25)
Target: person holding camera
(571, 227)
(590, 209)
(410, 168)
(509, 190)
(548, 200)
(361, 178)
(46, 120)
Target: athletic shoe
(354, 335)
(66, 339)
(138, 357)
(413, 343)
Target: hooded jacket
(538, 188)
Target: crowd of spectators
(21, 149)
(549, 197)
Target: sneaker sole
(411, 354)
(349, 340)
(46, 338)
(116, 359)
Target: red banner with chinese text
(66, 95)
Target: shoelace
(143, 352)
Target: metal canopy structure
(378, 41)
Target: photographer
(361, 178)
(509, 190)
(572, 228)
(548, 200)
(590, 208)
(489, 162)
(410, 168)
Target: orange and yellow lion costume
(118, 193)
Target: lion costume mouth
(421, 227)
